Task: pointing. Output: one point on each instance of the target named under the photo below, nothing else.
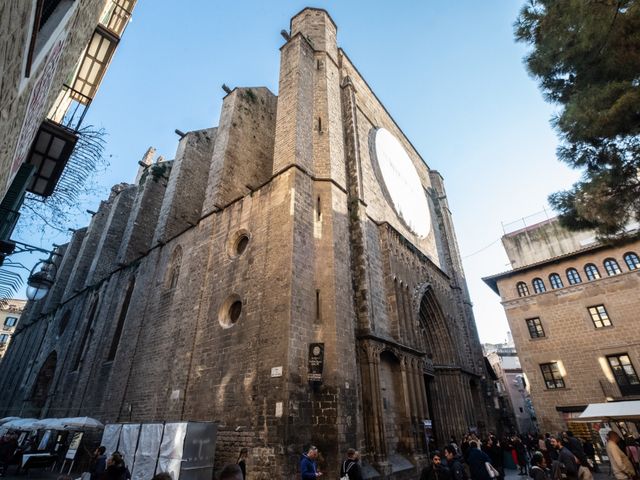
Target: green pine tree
(586, 57)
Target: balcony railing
(70, 108)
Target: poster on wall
(74, 446)
(198, 451)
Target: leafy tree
(586, 57)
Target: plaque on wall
(316, 362)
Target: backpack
(346, 470)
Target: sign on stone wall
(316, 361)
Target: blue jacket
(308, 468)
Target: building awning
(615, 411)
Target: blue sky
(449, 73)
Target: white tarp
(128, 443)
(620, 411)
(147, 452)
(171, 449)
(110, 438)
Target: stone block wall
(182, 202)
(243, 154)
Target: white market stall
(185, 450)
(612, 411)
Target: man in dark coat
(454, 462)
(98, 463)
(476, 459)
(566, 462)
(575, 445)
(435, 471)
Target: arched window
(121, 318)
(555, 281)
(592, 271)
(573, 276)
(538, 285)
(523, 290)
(173, 269)
(612, 267)
(632, 260)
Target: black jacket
(457, 469)
(435, 473)
(352, 469)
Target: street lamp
(40, 282)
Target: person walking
(493, 449)
(478, 461)
(350, 467)
(538, 470)
(590, 452)
(575, 445)
(435, 471)
(566, 464)
(98, 463)
(116, 469)
(454, 462)
(308, 465)
(521, 455)
(621, 466)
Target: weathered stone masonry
(263, 235)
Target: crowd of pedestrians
(545, 457)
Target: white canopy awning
(24, 424)
(81, 423)
(616, 411)
(8, 419)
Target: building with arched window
(291, 274)
(578, 341)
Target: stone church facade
(199, 291)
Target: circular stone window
(241, 244)
(230, 311)
(401, 181)
(238, 244)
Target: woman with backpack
(350, 469)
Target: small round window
(238, 243)
(241, 244)
(230, 311)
